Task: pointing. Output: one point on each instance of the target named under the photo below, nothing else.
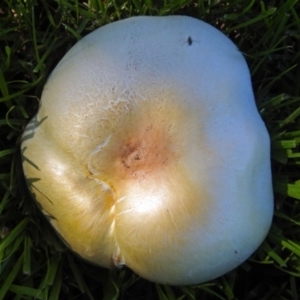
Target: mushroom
(148, 151)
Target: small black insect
(190, 41)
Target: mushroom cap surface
(148, 151)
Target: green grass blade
(4, 287)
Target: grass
(34, 35)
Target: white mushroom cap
(148, 151)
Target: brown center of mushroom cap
(148, 151)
